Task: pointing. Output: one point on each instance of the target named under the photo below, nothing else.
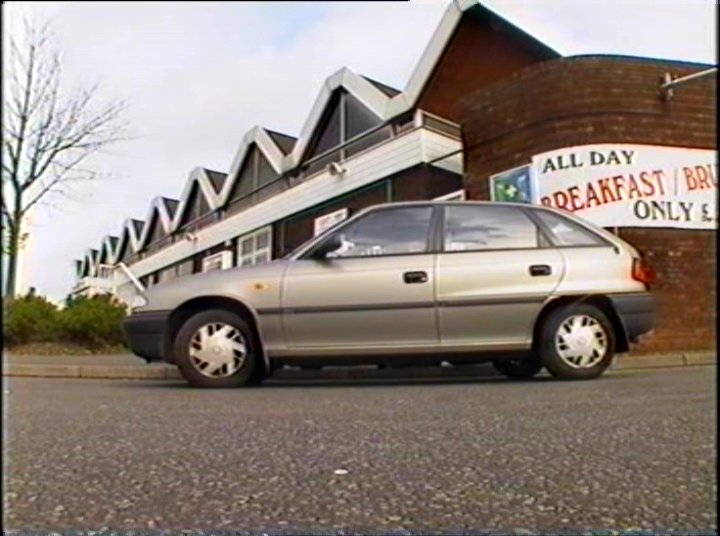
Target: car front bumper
(146, 334)
(636, 312)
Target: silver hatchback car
(523, 287)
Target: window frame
(550, 236)
(431, 245)
(542, 232)
(255, 251)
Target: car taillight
(642, 272)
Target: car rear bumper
(146, 333)
(636, 312)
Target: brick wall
(607, 99)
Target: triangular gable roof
(130, 235)
(159, 207)
(267, 146)
(439, 42)
(284, 152)
(360, 88)
(200, 177)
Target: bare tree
(48, 133)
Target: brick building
(485, 98)
(618, 101)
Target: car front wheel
(217, 348)
(577, 342)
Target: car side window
(483, 227)
(394, 231)
(566, 232)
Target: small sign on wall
(323, 223)
(218, 261)
(514, 185)
(618, 185)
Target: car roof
(450, 203)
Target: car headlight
(136, 302)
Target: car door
(494, 274)
(376, 291)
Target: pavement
(635, 449)
(129, 367)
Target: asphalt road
(635, 449)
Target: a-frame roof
(284, 152)
(199, 176)
(162, 210)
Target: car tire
(519, 369)
(217, 349)
(577, 342)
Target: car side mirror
(332, 243)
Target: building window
(218, 261)
(458, 195)
(256, 247)
(346, 118)
(323, 223)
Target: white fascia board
(355, 84)
(205, 189)
(259, 136)
(433, 51)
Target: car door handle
(415, 277)
(540, 269)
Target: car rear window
(566, 232)
(483, 227)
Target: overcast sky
(198, 75)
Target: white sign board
(617, 185)
(329, 220)
(218, 261)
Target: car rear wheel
(520, 369)
(217, 348)
(577, 342)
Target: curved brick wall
(609, 99)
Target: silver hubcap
(217, 350)
(581, 341)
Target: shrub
(29, 319)
(93, 322)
